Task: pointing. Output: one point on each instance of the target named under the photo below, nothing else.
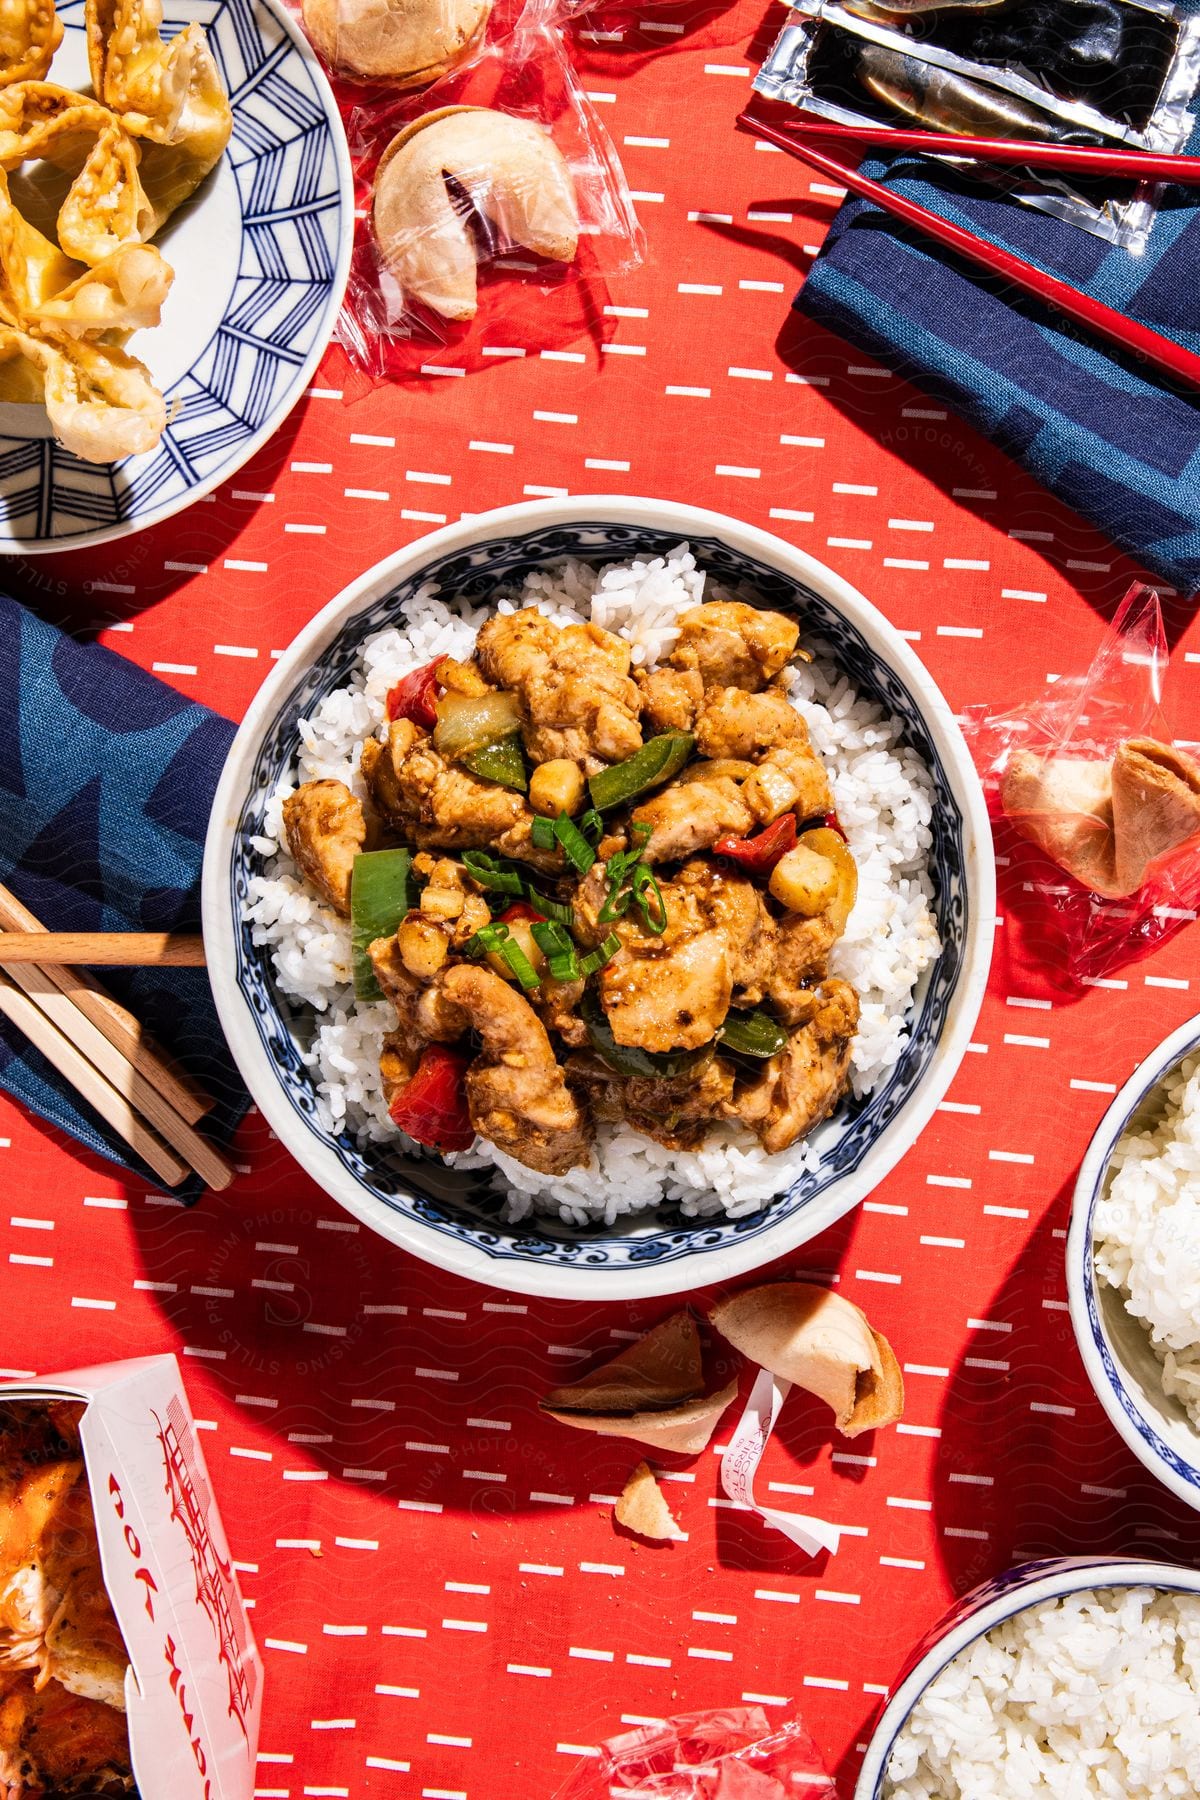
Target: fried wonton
(42, 287)
(30, 33)
(106, 205)
(169, 95)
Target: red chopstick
(1142, 165)
(1138, 340)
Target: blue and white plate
(1115, 1347)
(260, 255)
(451, 1217)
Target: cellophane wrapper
(736, 1753)
(525, 303)
(1073, 935)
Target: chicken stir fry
(592, 895)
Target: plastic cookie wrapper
(1096, 810)
(493, 203)
(1068, 71)
(731, 1753)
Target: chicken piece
(734, 645)
(397, 1064)
(326, 829)
(440, 805)
(670, 992)
(732, 722)
(680, 1112)
(516, 1091)
(737, 909)
(421, 1015)
(670, 698)
(462, 677)
(573, 683)
(380, 763)
(790, 778)
(557, 1005)
(54, 1741)
(802, 1084)
(692, 817)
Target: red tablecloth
(444, 1605)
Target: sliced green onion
(494, 940)
(649, 897)
(490, 873)
(649, 767)
(640, 832)
(557, 947)
(500, 762)
(592, 826)
(616, 906)
(560, 910)
(541, 833)
(752, 1034)
(383, 890)
(596, 959)
(576, 849)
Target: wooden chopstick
(1087, 159)
(112, 1106)
(141, 1094)
(1131, 336)
(118, 1025)
(125, 949)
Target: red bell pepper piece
(521, 909)
(758, 855)
(433, 1107)
(833, 823)
(415, 697)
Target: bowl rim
(529, 1275)
(1100, 1356)
(972, 1615)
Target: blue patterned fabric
(106, 782)
(1122, 450)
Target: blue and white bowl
(977, 1613)
(450, 1217)
(260, 254)
(1115, 1347)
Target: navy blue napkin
(1122, 450)
(106, 783)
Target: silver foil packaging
(1075, 71)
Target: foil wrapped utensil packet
(1069, 71)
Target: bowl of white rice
(640, 1218)
(1133, 1262)
(1074, 1677)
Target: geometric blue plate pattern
(284, 243)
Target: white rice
(884, 801)
(1147, 1232)
(1093, 1694)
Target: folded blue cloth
(106, 783)
(1122, 450)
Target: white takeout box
(194, 1691)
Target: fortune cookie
(1105, 821)
(405, 42)
(642, 1507)
(652, 1392)
(514, 175)
(819, 1341)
